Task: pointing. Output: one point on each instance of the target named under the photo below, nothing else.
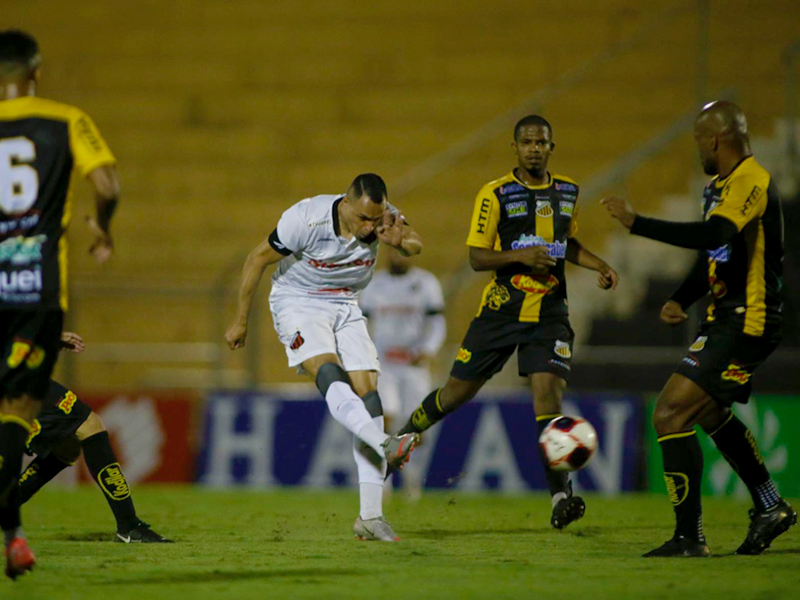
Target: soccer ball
(568, 443)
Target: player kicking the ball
(523, 228)
(326, 247)
(67, 427)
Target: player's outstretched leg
(680, 406)
(771, 515)
(107, 473)
(13, 433)
(548, 389)
(38, 473)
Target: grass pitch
(298, 544)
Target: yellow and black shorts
(29, 343)
(544, 347)
(61, 415)
(723, 361)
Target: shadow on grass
(84, 537)
(437, 534)
(217, 576)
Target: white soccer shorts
(308, 327)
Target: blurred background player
(741, 264)
(326, 247)
(523, 228)
(404, 305)
(42, 145)
(67, 427)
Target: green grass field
(298, 544)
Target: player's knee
(91, 426)
(68, 450)
(668, 417)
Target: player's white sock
(371, 471)
(349, 410)
(558, 497)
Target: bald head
(721, 135)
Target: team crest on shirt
(297, 341)
(497, 296)
(699, 343)
(736, 373)
(543, 209)
(562, 349)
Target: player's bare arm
(579, 255)
(106, 184)
(535, 257)
(703, 235)
(394, 231)
(257, 261)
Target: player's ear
(552, 146)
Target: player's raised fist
(390, 230)
(620, 209)
(672, 313)
(236, 335)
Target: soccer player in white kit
(404, 306)
(326, 247)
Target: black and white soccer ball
(568, 443)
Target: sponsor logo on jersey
(566, 208)
(562, 349)
(556, 249)
(23, 351)
(748, 203)
(297, 341)
(322, 264)
(113, 482)
(25, 281)
(569, 197)
(517, 196)
(20, 223)
(566, 187)
(543, 284)
(510, 188)
(67, 402)
(699, 343)
(463, 355)
(483, 215)
(517, 209)
(543, 209)
(691, 360)
(21, 250)
(721, 254)
(321, 223)
(718, 287)
(497, 296)
(86, 132)
(736, 373)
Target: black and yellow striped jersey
(744, 275)
(44, 145)
(510, 215)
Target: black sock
(737, 444)
(683, 472)
(39, 472)
(427, 414)
(13, 434)
(108, 475)
(557, 481)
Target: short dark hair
(369, 184)
(19, 54)
(532, 120)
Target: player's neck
(728, 164)
(17, 89)
(530, 179)
(344, 230)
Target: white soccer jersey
(405, 314)
(319, 263)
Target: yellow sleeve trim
(564, 178)
(674, 436)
